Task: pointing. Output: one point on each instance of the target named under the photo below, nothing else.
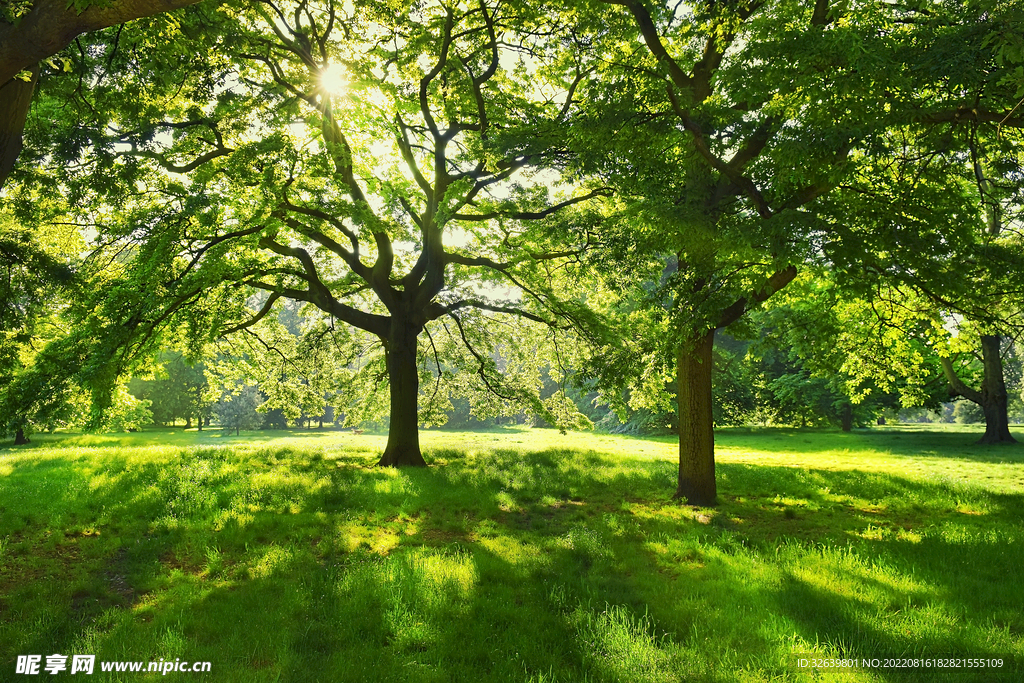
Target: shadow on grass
(293, 564)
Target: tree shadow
(294, 565)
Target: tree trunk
(19, 438)
(188, 422)
(993, 394)
(16, 96)
(847, 417)
(404, 382)
(696, 424)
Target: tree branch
(534, 215)
(773, 284)
(271, 300)
(51, 25)
(471, 303)
(956, 384)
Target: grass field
(520, 555)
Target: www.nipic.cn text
(86, 664)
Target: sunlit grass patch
(560, 558)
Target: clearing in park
(520, 555)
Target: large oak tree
(259, 171)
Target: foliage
(304, 368)
(36, 285)
(968, 412)
(397, 203)
(179, 389)
(127, 413)
(238, 407)
(875, 354)
(12, 10)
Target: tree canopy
(373, 164)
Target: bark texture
(993, 394)
(693, 396)
(15, 101)
(403, 447)
(696, 426)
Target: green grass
(521, 555)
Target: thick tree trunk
(696, 424)
(993, 394)
(847, 417)
(992, 397)
(403, 447)
(19, 438)
(188, 422)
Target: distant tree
(127, 413)
(300, 365)
(179, 389)
(990, 396)
(238, 409)
(825, 356)
(967, 412)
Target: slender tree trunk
(993, 394)
(696, 424)
(847, 417)
(403, 379)
(19, 438)
(199, 402)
